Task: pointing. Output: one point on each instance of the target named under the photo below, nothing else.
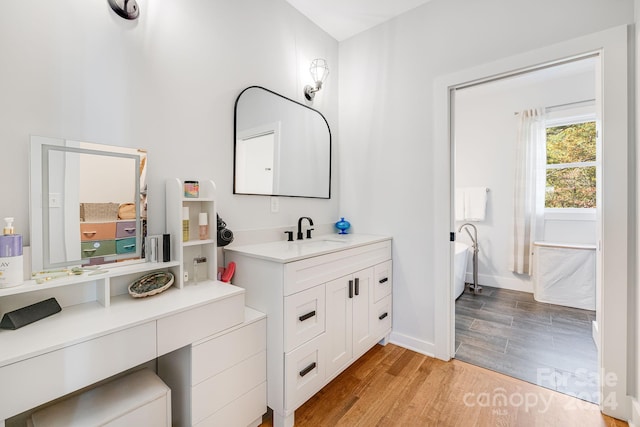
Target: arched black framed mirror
(282, 147)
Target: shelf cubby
(185, 252)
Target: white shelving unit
(100, 285)
(185, 252)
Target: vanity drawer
(197, 323)
(381, 319)
(214, 355)
(125, 229)
(383, 277)
(90, 231)
(304, 315)
(310, 272)
(126, 246)
(98, 248)
(304, 372)
(242, 411)
(218, 391)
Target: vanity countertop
(283, 251)
(82, 322)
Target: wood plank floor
(545, 344)
(393, 386)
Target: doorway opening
(615, 252)
(526, 163)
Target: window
(571, 165)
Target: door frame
(614, 257)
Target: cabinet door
(362, 308)
(339, 324)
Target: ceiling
(345, 18)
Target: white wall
(166, 82)
(386, 114)
(485, 153)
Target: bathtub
(460, 261)
(565, 274)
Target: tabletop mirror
(88, 203)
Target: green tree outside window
(571, 170)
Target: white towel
(475, 203)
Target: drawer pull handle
(357, 286)
(383, 315)
(129, 246)
(130, 230)
(89, 233)
(308, 369)
(88, 251)
(307, 316)
(350, 288)
(383, 280)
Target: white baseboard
(411, 343)
(502, 282)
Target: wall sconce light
(127, 9)
(319, 71)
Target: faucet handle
(289, 236)
(309, 233)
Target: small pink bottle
(203, 222)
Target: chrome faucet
(475, 287)
(300, 227)
(474, 238)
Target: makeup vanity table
(92, 341)
(198, 335)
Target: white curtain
(528, 213)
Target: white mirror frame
(38, 215)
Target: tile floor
(509, 332)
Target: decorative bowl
(151, 284)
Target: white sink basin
(284, 251)
(322, 242)
(304, 247)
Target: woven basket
(99, 212)
(127, 211)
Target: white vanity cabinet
(327, 300)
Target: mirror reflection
(282, 147)
(88, 203)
